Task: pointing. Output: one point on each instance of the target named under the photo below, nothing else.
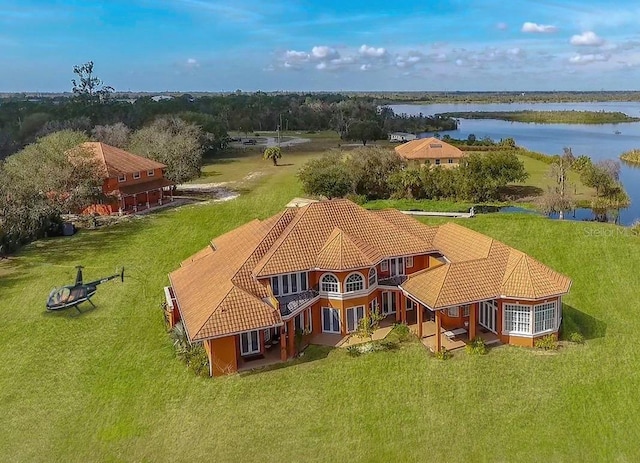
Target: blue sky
(221, 45)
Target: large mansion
(313, 272)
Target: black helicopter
(79, 292)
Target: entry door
(330, 320)
(396, 266)
(488, 315)
(388, 303)
(354, 315)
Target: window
(151, 173)
(249, 343)
(355, 282)
(453, 312)
(136, 175)
(354, 315)
(122, 178)
(465, 310)
(298, 322)
(330, 320)
(396, 266)
(450, 161)
(410, 304)
(384, 266)
(290, 283)
(275, 285)
(409, 261)
(285, 284)
(373, 276)
(545, 317)
(309, 320)
(303, 281)
(437, 162)
(329, 284)
(517, 318)
(373, 306)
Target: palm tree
(274, 153)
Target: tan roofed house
(130, 182)
(317, 270)
(430, 151)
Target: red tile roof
(428, 148)
(218, 292)
(116, 161)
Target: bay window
(532, 320)
(355, 282)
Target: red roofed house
(131, 182)
(318, 269)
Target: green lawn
(105, 385)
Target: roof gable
(116, 161)
(428, 148)
(342, 252)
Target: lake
(598, 141)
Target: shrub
(193, 355)
(548, 342)
(443, 354)
(402, 332)
(476, 347)
(354, 351)
(389, 344)
(576, 338)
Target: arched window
(373, 276)
(329, 283)
(355, 282)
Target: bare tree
(115, 134)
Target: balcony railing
(292, 302)
(396, 280)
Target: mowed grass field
(106, 386)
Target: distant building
(162, 97)
(131, 183)
(430, 151)
(401, 137)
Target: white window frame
(122, 178)
(373, 277)
(549, 312)
(332, 329)
(519, 316)
(437, 162)
(466, 310)
(409, 262)
(388, 297)
(309, 319)
(292, 279)
(450, 161)
(357, 283)
(151, 173)
(374, 306)
(453, 312)
(136, 175)
(353, 317)
(252, 348)
(384, 265)
(336, 283)
(410, 304)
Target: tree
(368, 324)
(46, 179)
(274, 153)
(364, 131)
(173, 142)
(558, 198)
(326, 176)
(115, 134)
(89, 87)
(370, 170)
(407, 183)
(483, 175)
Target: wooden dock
(453, 215)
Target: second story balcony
(290, 303)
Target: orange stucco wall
(112, 184)
(223, 355)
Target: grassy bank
(548, 117)
(105, 385)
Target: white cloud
(372, 52)
(293, 55)
(588, 58)
(321, 65)
(534, 28)
(587, 38)
(322, 52)
(365, 67)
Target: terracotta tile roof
(428, 148)
(218, 293)
(206, 293)
(116, 161)
(482, 268)
(300, 244)
(342, 252)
